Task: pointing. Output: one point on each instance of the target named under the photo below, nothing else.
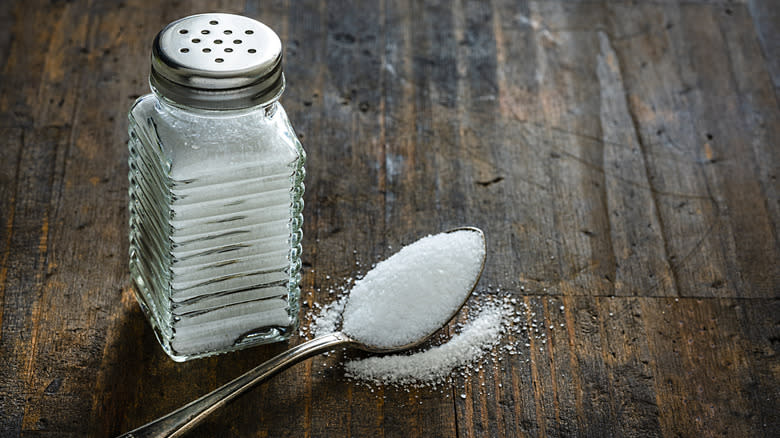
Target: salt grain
(329, 319)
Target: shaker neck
(173, 107)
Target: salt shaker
(216, 185)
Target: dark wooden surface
(622, 158)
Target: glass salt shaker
(216, 186)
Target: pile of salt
(416, 291)
(435, 364)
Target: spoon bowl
(364, 346)
(188, 416)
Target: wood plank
(637, 229)
(766, 15)
(690, 213)
(749, 248)
(752, 82)
(28, 268)
(568, 156)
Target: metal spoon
(188, 416)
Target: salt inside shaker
(216, 186)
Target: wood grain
(621, 157)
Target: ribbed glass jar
(215, 222)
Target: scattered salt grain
(329, 319)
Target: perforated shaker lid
(217, 61)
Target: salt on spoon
(399, 304)
(415, 292)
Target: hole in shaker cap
(206, 50)
(213, 22)
(196, 40)
(204, 32)
(184, 50)
(217, 41)
(183, 31)
(237, 41)
(251, 50)
(249, 32)
(219, 60)
(227, 32)
(228, 49)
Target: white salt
(414, 292)
(327, 321)
(435, 364)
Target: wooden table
(622, 158)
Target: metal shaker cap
(217, 61)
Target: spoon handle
(185, 418)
